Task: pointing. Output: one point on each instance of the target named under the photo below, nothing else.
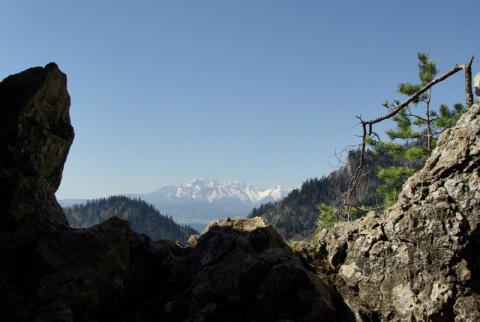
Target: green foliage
(394, 178)
(427, 69)
(448, 117)
(404, 126)
(391, 175)
(386, 147)
(143, 217)
(414, 153)
(326, 217)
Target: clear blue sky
(259, 91)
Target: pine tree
(415, 134)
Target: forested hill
(144, 217)
(295, 216)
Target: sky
(265, 92)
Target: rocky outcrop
(238, 270)
(48, 272)
(35, 137)
(419, 261)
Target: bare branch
(468, 83)
(416, 95)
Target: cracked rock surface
(420, 261)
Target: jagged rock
(238, 270)
(49, 272)
(35, 137)
(420, 260)
(87, 267)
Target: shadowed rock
(238, 270)
(35, 137)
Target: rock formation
(35, 137)
(238, 270)
(419, 261)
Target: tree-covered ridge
(144, 217)
(295, 216)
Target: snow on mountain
(213, 191)
(199, 201)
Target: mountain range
(213, 191)
(200, 201)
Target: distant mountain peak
(213, 191)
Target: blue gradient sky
(259, 91)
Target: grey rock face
(420, 261)
(476, 84)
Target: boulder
(238, 270)
(420, 260)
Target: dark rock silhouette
(238, 270)
(35, 137)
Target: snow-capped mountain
(213, 191)
(200, 202)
